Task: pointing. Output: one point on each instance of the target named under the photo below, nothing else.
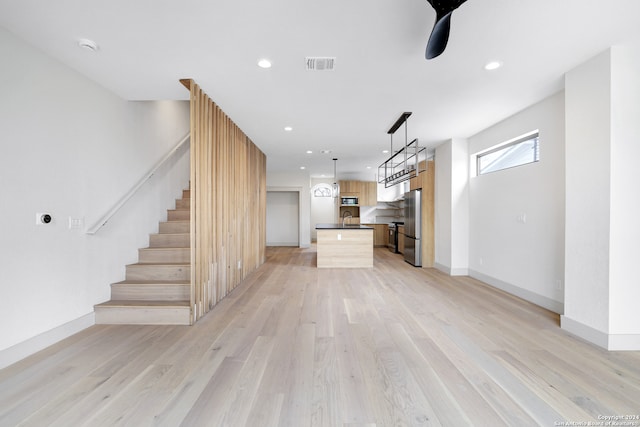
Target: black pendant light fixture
(440, 33)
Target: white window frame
(507, 144)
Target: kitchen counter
(344, 246)
(342, 227)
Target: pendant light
(335, 189)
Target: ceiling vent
(320, 63)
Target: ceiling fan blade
(439, 36)
(440, 33)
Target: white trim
(532, 297)
(446, 270)
(451, 271)
(33, 345)
(611, 342)
(290, 244)
(583, 331)
(624, 342)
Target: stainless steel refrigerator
(413, 227)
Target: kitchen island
(344, 246)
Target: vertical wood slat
(228, 204)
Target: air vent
(320, 63)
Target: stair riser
(164, 255)
(178, 215)
(150, 292)
(158, 272)
(183, 203)
(142, 316)
(170, 241)
(186, 194)
(174, 227)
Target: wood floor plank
(325, 406)
(294, 345)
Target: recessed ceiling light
(288, 128)
(493, 65)
(368, 167)
(87, 44)
(326, 151)
(385, 151)
(309, 152)
(302, 167)
(264, 63)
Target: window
(520, 151)
(322, 190)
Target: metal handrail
(107, 216)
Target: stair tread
(139, 303)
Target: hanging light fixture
(335, 189)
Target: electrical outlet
(76, 223)
(559, 284)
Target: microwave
(350, 201)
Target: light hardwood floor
(298, 346)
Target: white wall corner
(611, 342)
(445, 269)
(33, 345)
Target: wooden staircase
(156, 290)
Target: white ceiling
(146, 46)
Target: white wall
(323, 209)
(603, 145)
(588, 104)
(72, 149)
(278, 181)
(452, 207)
(442, 204)
(625, 195)
(526, 259)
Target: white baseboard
(443, 268)
(33, 345)
(452, 271)
(612, 342)
(293, 244)
(532, 297)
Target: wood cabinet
(352, 220)
(349, 187)
(344, 248)
(368, 193)
(365, 191)
(401, 239)
(380, 234)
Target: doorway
(283, 218)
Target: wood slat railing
(228, 203)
